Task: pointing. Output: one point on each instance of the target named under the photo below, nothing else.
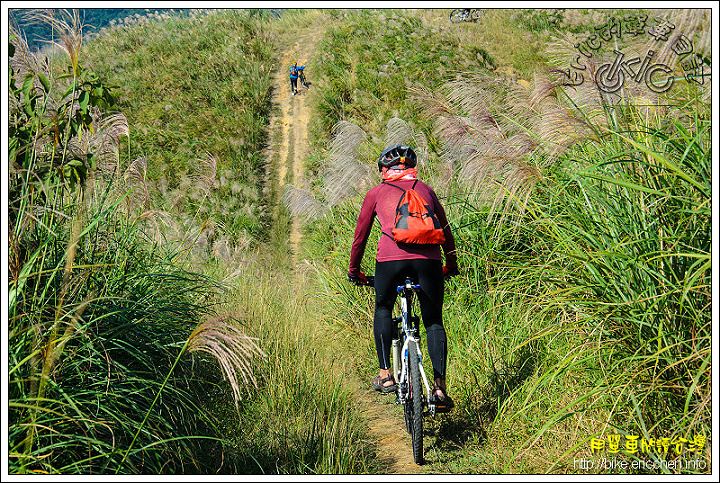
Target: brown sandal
(378, 384)
(444, 403)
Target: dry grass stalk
(68, 27)
(203, 173)
(136, 178)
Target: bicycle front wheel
(457, 15)
(415, 402)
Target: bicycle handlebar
(369, 280)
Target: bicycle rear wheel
(476, 15)
(457, 15)
(414, 402)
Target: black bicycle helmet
(396, 155)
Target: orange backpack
(415, 221)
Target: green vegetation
(155, 325)
(371, 58)
(38, 34)
(198, 89)
(304, 417)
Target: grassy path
(289, 143)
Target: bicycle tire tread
(416, 403)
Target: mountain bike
(466, 15)
(413, 388)
(303, 80)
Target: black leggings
(428, 274)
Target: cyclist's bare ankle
(384, 374)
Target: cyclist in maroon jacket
(395, 261)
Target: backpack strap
(394, 186)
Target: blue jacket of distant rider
(295, 76)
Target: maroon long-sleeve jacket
(381, 201)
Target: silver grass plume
(156, 223)
(105, 144)
(694, 24)
(24, 61)
(492, 132)
(687, 22)
(234, 351)
(203, 174)
(398, 131)
(302, 203)
(68, 26)
(136, 179)
(222, 250)
(347, 137)
(347, 171)
(345, 175)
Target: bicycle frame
(409, 333)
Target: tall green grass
(107, 333)
(91, 337)
(599, 284)
(303, 418)
(601, 291)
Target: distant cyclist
(395, 261)
(294, 73)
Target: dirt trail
(294, 117)
(289, 141)
(393, 442)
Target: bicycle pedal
(443, 409)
